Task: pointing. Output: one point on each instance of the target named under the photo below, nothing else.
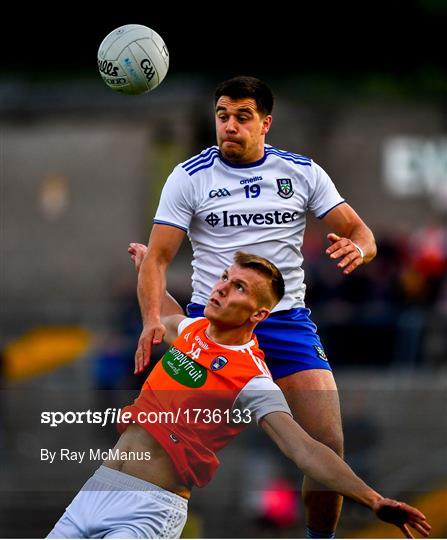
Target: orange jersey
(186, 403)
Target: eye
(224, 277)
(222, 117)
(240, 287)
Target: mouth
(214, 302)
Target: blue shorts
(289, 340)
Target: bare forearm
(154, 304)
(323, 465)
(315, 459)
(347, 228)
(151, 289)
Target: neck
(229, 336)
(256, 156)
(246, 160)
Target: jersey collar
(244, 165)
(247, 345)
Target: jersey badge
(218, 363)
(285, 189)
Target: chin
(230, 153)
(211, 313)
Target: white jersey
(259, 208)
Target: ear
(266, 123)
(260, 315)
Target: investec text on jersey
(242, 220)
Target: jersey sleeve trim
(161, 222)
(261, 396)
(327, 211)
(203, 164)
(297, 159)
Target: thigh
(312, 396)
(66, 527)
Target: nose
(221, 288)
(231, 126)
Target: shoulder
(192, 324)
(261, 396)
(201, 161)
(284, 155)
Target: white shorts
(112, 504)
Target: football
(133, 59)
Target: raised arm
(350, 238)
(171, 313)
(323, 465)
(164, 243)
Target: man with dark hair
(242, 87)
(246, 194)
(211, 381)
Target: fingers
(343, 247)
(134, 248)
(404, 528)
(158, 336)
(403, 516)
(413, 512)
(352, 263)
(421, 527)
(150, 336)
(142, 355)
(332, 237)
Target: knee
(333, 438)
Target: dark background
(394, 46)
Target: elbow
(372, 252)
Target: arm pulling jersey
(195, 400)
(260, 208)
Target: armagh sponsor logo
(183, 369)
(245, 220)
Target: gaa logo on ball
(133, 59)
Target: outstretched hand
(151, 335)
(403, 516)
(345, 249)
